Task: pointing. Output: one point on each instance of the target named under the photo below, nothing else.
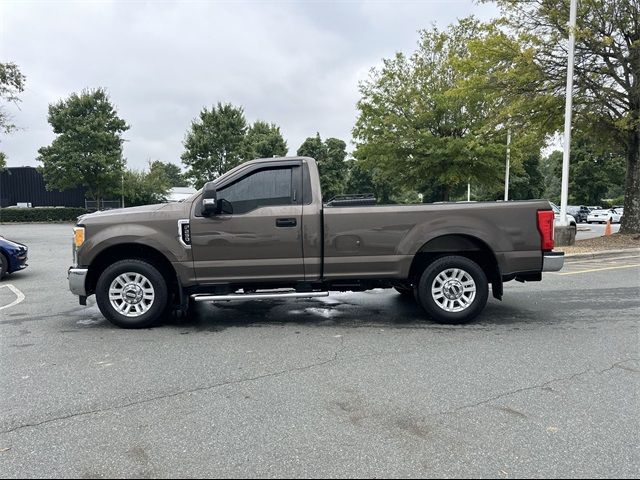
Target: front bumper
(552, 261)
(77, 281)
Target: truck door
(261, 240)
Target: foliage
(330, 156)
(145, 188)
(419, 129)
(265, 140)
(88, 148)
(172, 172)
(215, 143)
(41, 214)
(11, 85)
(529, 68)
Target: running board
(256, 296)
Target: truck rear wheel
(453, 290)
(132, 294)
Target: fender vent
(184, 230)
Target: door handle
(286, 222)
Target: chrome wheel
(131, 294)
(453, 290)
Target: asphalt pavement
(593, 230)
(543, 384)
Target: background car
(556, 215)
(13, 256)
(579, 212)
(604, 216)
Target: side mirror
(209, 200)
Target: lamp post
(564, 194)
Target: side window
(259, 189)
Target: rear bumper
(552, 261)
(77, 281)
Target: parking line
(19, 296)
(600, 269)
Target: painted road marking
(600, 269)
(19, 296)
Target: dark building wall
(25, 184)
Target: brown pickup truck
(262, 231)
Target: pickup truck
(262, 231)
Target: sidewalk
(612, 245)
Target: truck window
(261, 188)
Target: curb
(602, 253)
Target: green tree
(11, 85)
(146, 187)
(265, 140)
(330, 156)
(215, 143)
(415, 124)
(87, 150)
(528, 182)
(530, 67)
(551, 169)
(172, 172)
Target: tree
(144, 188)
(11, 85)
(606, 81)
(87, 150)
(330, 156)
(215, 143)
(415, 124)
(551, 169)
(528, 183)
(172, 172)
(265, 140)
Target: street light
(564, 195)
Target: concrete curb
(602, 253)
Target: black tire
(406, 292)
(475, 305)
(4, 266)
(158, 306)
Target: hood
(119, 212)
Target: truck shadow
(382, 311)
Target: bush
(40, 214)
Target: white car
(604, 216)
(571, 220)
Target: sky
(294, 63)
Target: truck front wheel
(132, 294)
(453, 290)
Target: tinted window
(259, 189)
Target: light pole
(506, 173)
(564, 194)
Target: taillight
(545, 227)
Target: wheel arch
(464, 245)
(137, 251)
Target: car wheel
(4, 266)
(453, 290)
(406, 292)
(132, 294)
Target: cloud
(293, 63)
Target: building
(25, 186)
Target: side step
(199, 297)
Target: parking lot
(543, 384)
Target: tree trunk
(631, 218)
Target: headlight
(78, 236)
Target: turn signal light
(545, 227)
(78, 236)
